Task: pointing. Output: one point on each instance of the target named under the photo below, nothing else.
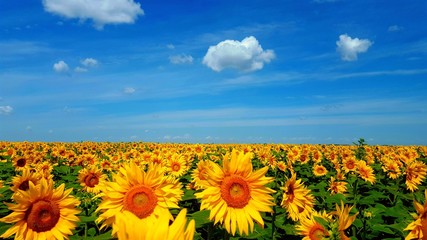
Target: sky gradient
(219, 71)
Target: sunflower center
(140, 200)
(21, 162)
(25, 185)
(91, 180)
(176, 167)
(235, 191)
(42, 216)
(317, 232)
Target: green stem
(226, 235)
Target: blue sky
(248, 71)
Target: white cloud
(170, 46)
(181, 59)
(61, 67)
(349, 47)
(80, 69)
(245, 56)
(5, 110)
(129, 90)
(89, 62)
(101, 12)
(395, 28)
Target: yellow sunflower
(365, 172)
(415, 172)
(176, 166)
(418, 228)
(319, 170)
(21, 162)
(146, 194)
(42, 212)
(199, 174)
(131, 227)
(45, 169)
(22, 182)
(235, 194)
(337, 186)
(349, 164)
(297, 199)
(344, 219)
(310, 228)
(92, 179)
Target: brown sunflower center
(91, 180)
(21, 162)
(317, 232)
(176, 167)
(140, 200)
(25, 185)
(235, 191)
(42, 216)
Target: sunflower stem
(226, 235)
(273, 218)
(85, 230)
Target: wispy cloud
(15, 49)
(369, 112)
(5, 110)
(181, 59)
(395, 28)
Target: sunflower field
(139, 190)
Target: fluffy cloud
(5, 110)
(245, 56)
(61, 67)
(349, 47)
(101, 12)
(181, 59)
(89, 62)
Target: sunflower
(22, 182)
(365, 172)
(337, 186)
(45, 169)
(199, 174)
(176, 166)
(146, 194)
(349, 164)
(319, 170)
(344, 219)
(21, 162)
(310, 228)
(297, 199)
(415, 174)
(236, 194)
(42, 212)
(391, 168)
(418, 228)
(91, 179)
(131, 227)
(281, 165)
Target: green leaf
(321, 221)
(382, 228)
(201, 217)
(91, 232)
(188, 195)
(85, 219)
